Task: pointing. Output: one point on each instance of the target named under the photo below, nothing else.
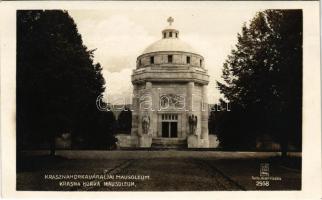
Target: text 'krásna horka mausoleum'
(169, 102)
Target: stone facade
(169, 96)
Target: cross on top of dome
(170, 20)
(170, 32)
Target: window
(200, 63)
(169, 117)
(169, 58)
(152, 59)
(164, 35)
(170, 34)
(169, 125)
(176, 35)
(188, 59)
(140, 62)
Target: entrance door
(169, 125)
(173, 129)
(165, 129)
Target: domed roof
(170, 41)
(169, 44)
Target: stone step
(169, 143)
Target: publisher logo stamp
(264, 179)
(264, 170)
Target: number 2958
(262, 183)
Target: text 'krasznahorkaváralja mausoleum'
(169, 102)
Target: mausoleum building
(169, 105)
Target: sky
(121, 33)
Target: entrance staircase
(169, 143)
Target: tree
(102, 131)
(125, 121)
(263, 75)
(57, 81)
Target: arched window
(188, 59)
(152, 59)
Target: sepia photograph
(169, 98)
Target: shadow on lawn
(36, 163)
(289, 162)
